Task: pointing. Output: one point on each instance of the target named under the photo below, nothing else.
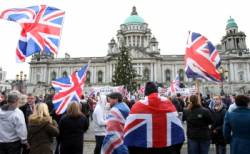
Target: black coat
(198, 121)
(217, 127)
(71, 134)
(26, 111)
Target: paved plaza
(89, 143)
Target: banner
(105, 90)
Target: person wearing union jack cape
(153, 126)
(113, 141)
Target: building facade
(4, 84)
(135, 34)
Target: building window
(38, 77)
(129, 40)
(138, 40)
(65, 74)
(53, 75)
(146, 74)
(100, 76)
(167, 75)
(88, 77)
(133, 40)
(181, 74)
(241, 76)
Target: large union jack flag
(113, 141)
(153, 123)
(202, 60)
(69, 89)
(41, 29)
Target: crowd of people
(34, 127)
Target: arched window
(88, 77)
(65, 74)
(181, 74)
(100, 76)
(146, 74)
(53, 75)
(167, 75)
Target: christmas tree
(124, 73)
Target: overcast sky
(90, 24)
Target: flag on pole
(69, 89)
(202, 60)
(41, 29)
(175, 85)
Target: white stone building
(4, 84)
(147, 60)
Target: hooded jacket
(12, 125)
(99, 117)
(40, 133)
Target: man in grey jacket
(12, 125)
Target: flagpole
(197, 84)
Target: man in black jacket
(27, 110)
(29, 107)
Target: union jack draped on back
(113, 141)
(69, 89)
(41, 29)
(202, 59)
(153, 123)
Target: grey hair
(13, 97)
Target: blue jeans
(198, 146)
(220, 149)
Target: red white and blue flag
(41, 29)
(202, 60)
(153, 123)
(113, 141)
(175, 85)
(69, 89)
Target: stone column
(231, 72)
(162, 73)
(248, 73)
(151, 72)
(155, 69)
(30, 75)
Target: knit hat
(150, 88)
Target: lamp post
(19, 83)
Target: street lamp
(20, 81)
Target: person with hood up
(41, 130)
(13, 131)
(99, 115)
(153, 126)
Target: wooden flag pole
(197, 84)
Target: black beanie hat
(150, 88)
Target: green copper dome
(134, 18)
(231, 23)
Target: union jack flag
(153, 123)
(202, 60)
(113, 141)
(175, 85)
(69, 89)
(141, 90)
(41, 29)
